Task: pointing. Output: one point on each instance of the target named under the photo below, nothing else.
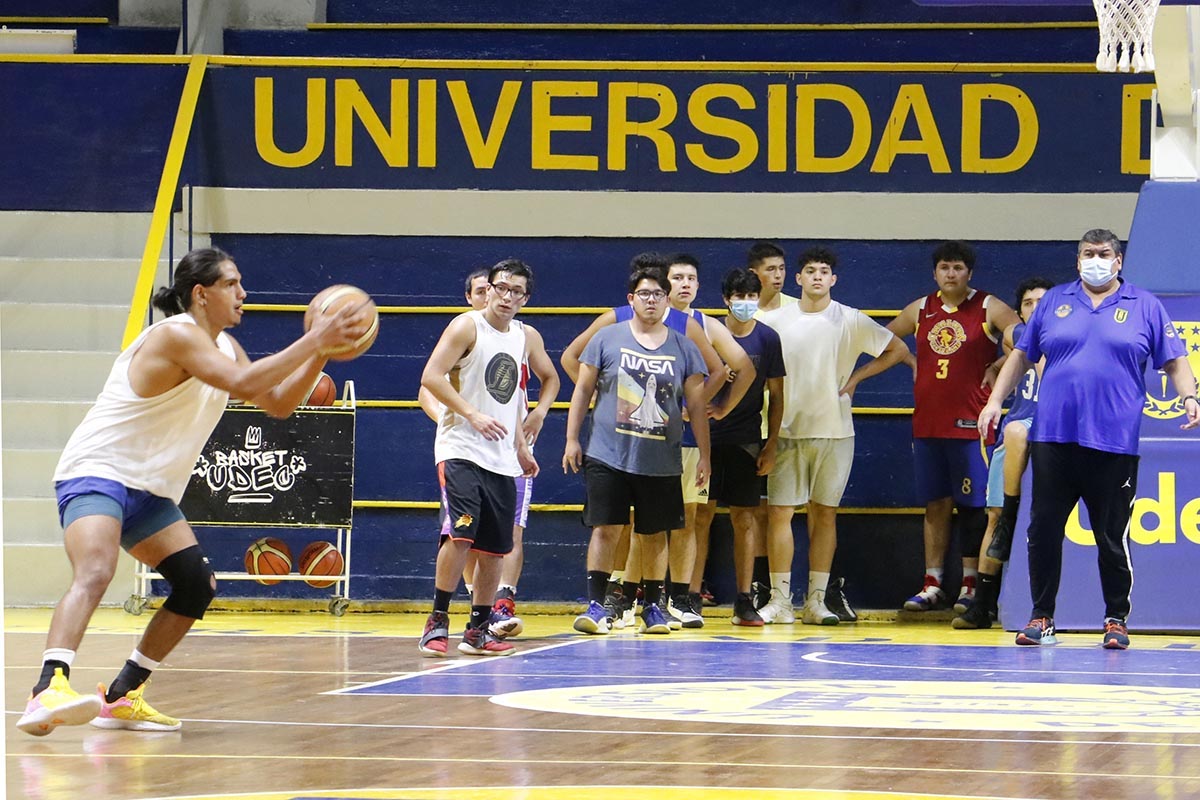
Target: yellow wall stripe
(53, 20)
(597, 310)
(432, 504)
(694, 26)
(89, 58)
(140, 303)
(563, 405)
(599, 66)
(678, 66)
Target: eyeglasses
(646, 295)
(504, 290)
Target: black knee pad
(191, 580)
(973, 523)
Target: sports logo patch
(946, 337)
(1162, 402)
(463, 521)
(1063, 311)
(1120, 315)
(502, 376)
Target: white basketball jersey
(489, 378)
(146, 443)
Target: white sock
(508, 586)
(470, 589)
(58, 654)
(143, 661)
(818, 582)
(782, 583)
(970, 573)
(618, 576)
(935, 573)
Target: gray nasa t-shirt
(637, 424)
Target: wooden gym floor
(316, 706)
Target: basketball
(323, 392)
(321, 558)
(268, 556)
(330, 300)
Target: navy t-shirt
(743, 425)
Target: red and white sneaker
(929, 598)
(504, 621)
(437, 633)
(478, 642)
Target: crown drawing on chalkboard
(253, 437)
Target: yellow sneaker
(57, 704)
(132, 713)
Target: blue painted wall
(90, 137)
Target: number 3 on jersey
(943, 368)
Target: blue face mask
(743, 310)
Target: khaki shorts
(814, 470)
(691, 492)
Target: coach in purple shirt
(1096, 335)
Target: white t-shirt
(146, 443)
(489, 378)
(820, 351)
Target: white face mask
(1096, 271)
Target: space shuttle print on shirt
(644, 387)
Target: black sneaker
(835, 601)
(760, 594)
(975, 617)
(612, 607)
(744, 613)
(681, 608)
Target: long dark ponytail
(198, 268)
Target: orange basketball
(323, 392)
(321, 558)
(268, 556)
(330, 300)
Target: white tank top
(489, 378)
(146, 443)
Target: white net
(1126, 31)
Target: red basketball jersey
(954, 347)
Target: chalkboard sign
(258, 470)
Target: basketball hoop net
(1128, 26)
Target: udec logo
(1154, 519)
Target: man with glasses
(628, 577)
(475, 373)
(504, 619)
(641, 372)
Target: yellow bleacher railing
(168, 183)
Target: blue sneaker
(593, 620)
(654, 620)
(1038, 631)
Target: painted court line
(461, 663)
(1046, 741)
(820, 659)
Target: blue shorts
(141, 514)
(951, 468)
(995, 490)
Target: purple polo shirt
(1093, 387)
